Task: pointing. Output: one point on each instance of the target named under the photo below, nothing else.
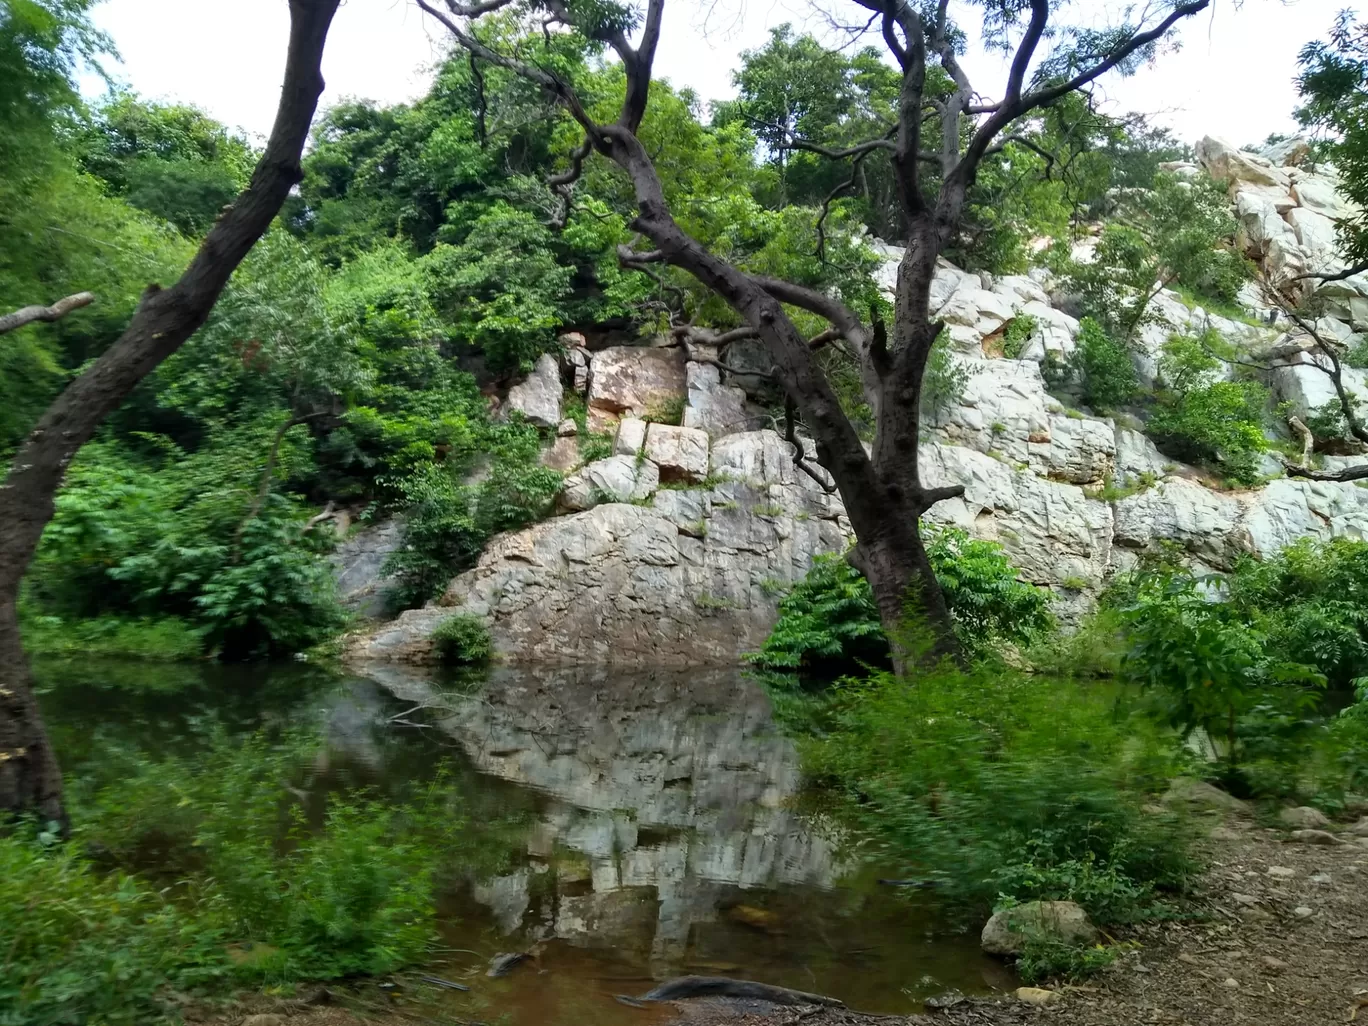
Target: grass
(158, 639)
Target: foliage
(157, 639)
(1334, 89)
(1174, 231)
(1100, 369)
(829, 623)
(1219, 424)
(944, 380)
(461, 638)
(1017, 334)
(998, 786)
(84, 946)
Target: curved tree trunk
(29, 776)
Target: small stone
(1316, 837)
(1245, 899)
(1321, 879)
(1005, 933)
(567, 427)
(1231, 982)
(1036, 995)
(1273, 964)
(949, 999)
(1301, 911)
(1188, 959)
(1303, 817)
(630, 438)
(1281, 872)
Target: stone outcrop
(1007, 932)
(358, 566)
(636, 381)
(538, 398)
(674, 546)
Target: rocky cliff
(672, 551)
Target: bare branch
(1348, 272)
(47, 314)
(1347, 474)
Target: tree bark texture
(165, 318)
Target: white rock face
(538, 398)
(615, 479)
(633, 380)
(637, 575)
(1227, 163)
(681, 453)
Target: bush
(1219, 425)
(998, 785)
(1102, 368)
(88, 947)
(1017, 334)
(462, 639)
(829, 623)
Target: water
(649, 819)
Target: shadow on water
(647, 826)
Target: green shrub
(1219, 425)
(1000, 786)
(1017, 334)
(162, 639)
(829, 623)
(945, 379)
(462, 639)
(83, 946)
(1102, 368)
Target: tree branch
(55, 312)
(1348, 272)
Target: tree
(30, 779)
(883, 491)
(1334, 86)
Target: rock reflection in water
(665, 795)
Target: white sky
(1232, 76)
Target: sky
(1232, 76)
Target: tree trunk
(30, 778)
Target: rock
(563, 454)
(1321, 879)
(681, 453)
(1273, 964)
(1318, 195)
(615, 479)
(1137, 456)
(263, 1020)
(576, 363)
(1181, 511)
(1280, 872)
(1199, 794)
(1231, 982)
(1288, 153)
(637, 381)
(1303, 912)
(949, 999)
(1036, 995)
(1303, 817)
(714, 407)
(630, 438)
(358, 566)
(687, 581)
(566, 428)
(1316, 837)
(538, 398)
(1244, 899)
(1315, 232)
(1227, 164)
(1360, 829)
(1006, 932)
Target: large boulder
(538, 398)
(1007, 932)
(636, 381)
(1318, 194)
(712, 406)
(681, 453)
(1181, 511)
(358, 566)
(615, 479)
(1227, 164)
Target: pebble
(1276, 964)
(1301, 911)
(1036, 995)
(1245, 899)
(1281, 872)
(1316, 837)
(1321, 879)
(1232, 983)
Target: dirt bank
(1283, 942)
